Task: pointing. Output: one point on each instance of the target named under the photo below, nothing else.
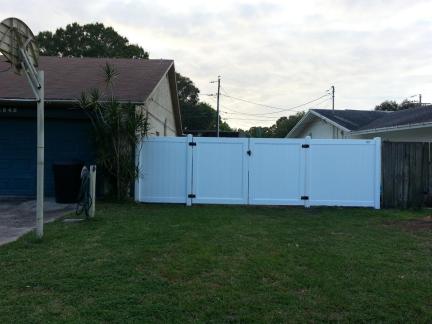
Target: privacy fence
(406, 174)
(309, 172)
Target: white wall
(319, 128)
(161, 111)
(408, 135)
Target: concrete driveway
(18, 217)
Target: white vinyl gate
(257, 171)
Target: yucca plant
(118, 128)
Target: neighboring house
(149, 84)
(410, 125)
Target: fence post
(93, 190)
(189, 169)
(377, 189)
(137, 196)
(306, 171)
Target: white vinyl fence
(257, 171)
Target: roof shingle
(351, 119)
(401, 118)
(67, 77)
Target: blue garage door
(65, 140)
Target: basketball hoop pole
(40, 157)
(17, 44)
(37, 82)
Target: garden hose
(84, 197)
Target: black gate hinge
(191, 196)
(305, 145)
(192, 144)
(304, 198)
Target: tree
(390, 105)
(406, 104)
(387, 105)
(188, 93)
(284, 124)
(117, 129)
(201, 116)
(90, 40)
(280, 129)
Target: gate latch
(304, 198)
(191, 196)
(305, 145)
(192, 144)
(249, 152)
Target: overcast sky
(279, 53)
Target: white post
(377, 189)
(93, 190)
(40, 158)
(307, 171)
(137, 195)
(189, 170)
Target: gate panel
(343, 173)
(164, 170)
(276, 175)
(220, 170)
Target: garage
(65, 140)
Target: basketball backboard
(14, 37)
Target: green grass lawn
(155, 263)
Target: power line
(236, 115)
(259, 120)
(276, 108)
(236, 112)
(263, 118)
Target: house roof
(351, 119)
(407, 117)
(67, 77)
(368, 121)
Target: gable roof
(67, 77)
(401, 118)
(351, 119)
(368, 121)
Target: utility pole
(218, 117)
(420, 99)
(217, 105)
(333, 96)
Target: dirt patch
(418, 224)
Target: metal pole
(333, 97)
(40, 157)
(420, 100)
(218, 117)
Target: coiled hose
(84, 198)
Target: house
(410, 125)
(148, 84)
